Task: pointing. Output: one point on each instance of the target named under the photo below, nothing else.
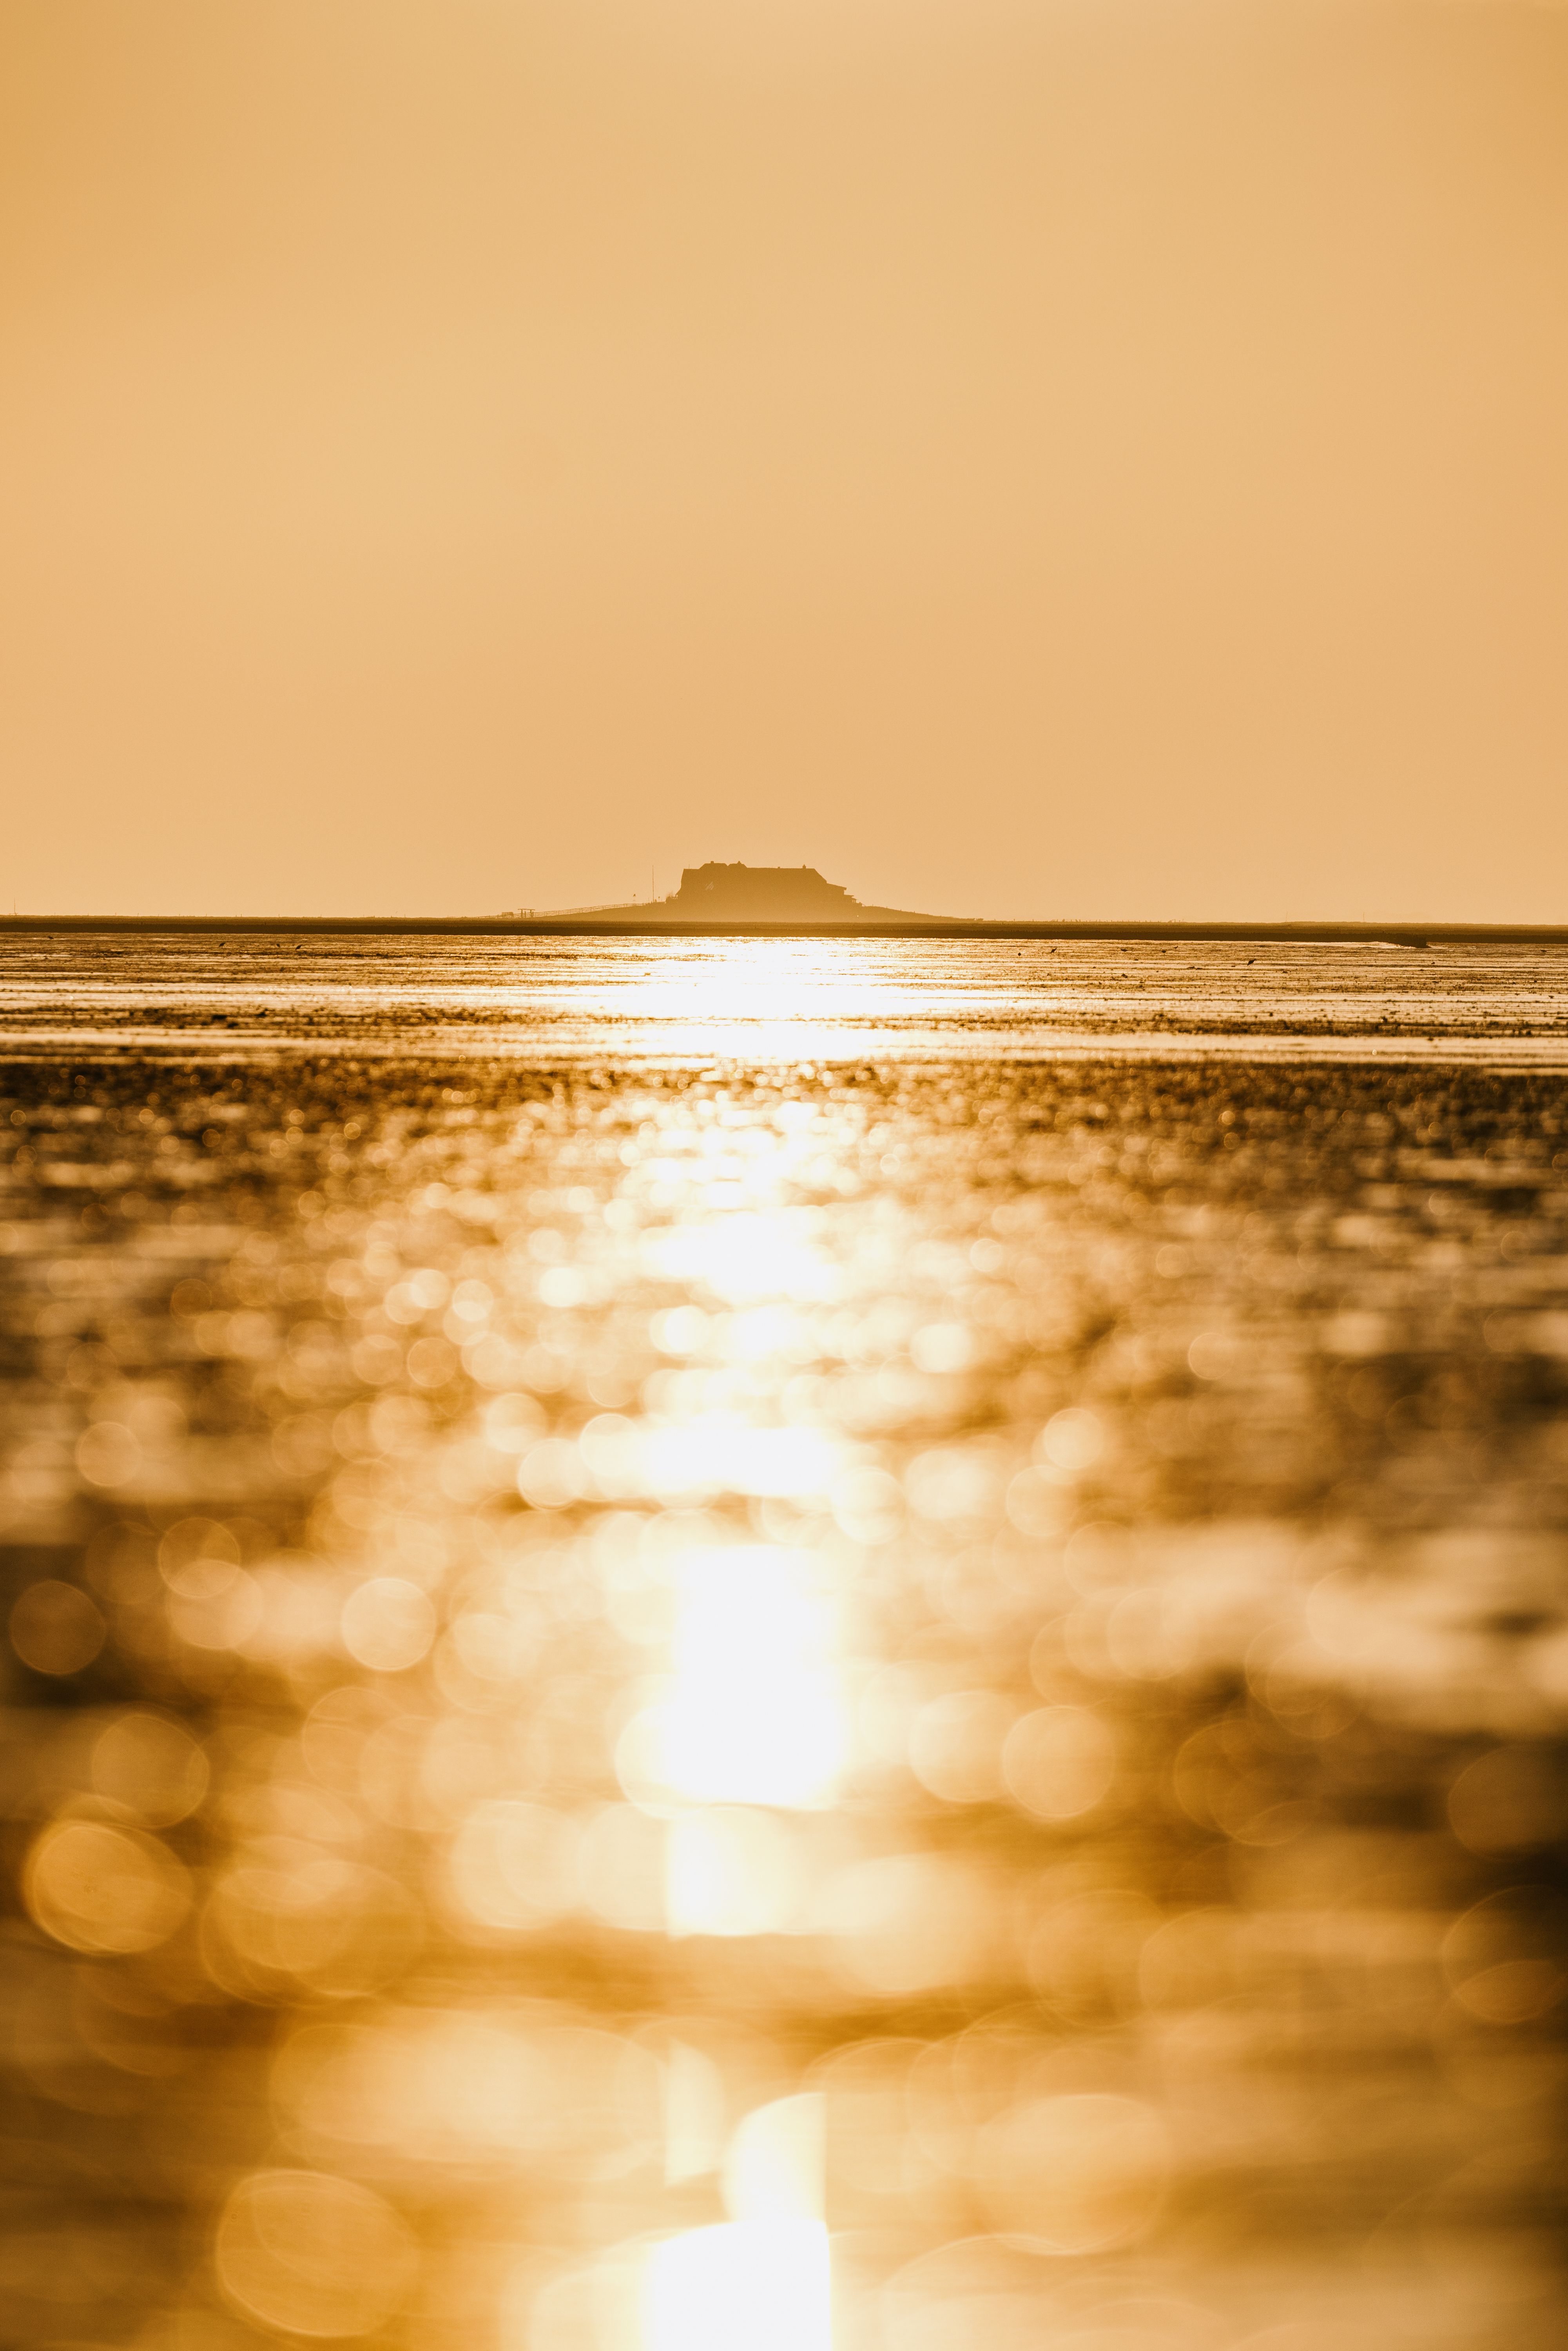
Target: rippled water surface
(680, 1000)
(783, 1645)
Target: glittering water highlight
(853, 1703)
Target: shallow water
(684, 1000)
(791, 1645)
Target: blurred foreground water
(779, 1679)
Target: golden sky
(1023, 456)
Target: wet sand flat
(822, 1645)
(632, 999)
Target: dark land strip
(1404, 935)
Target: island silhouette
(793, 900)
(717, 893)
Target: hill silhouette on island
(755, 894)
(794, 901)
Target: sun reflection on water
(754, 1713)
(762, 2277)
(819, 1710)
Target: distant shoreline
(1403, 935)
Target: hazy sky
(1030, 457)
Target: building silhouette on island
(752, 894)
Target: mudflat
(863, 1640)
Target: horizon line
(1305, 931)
